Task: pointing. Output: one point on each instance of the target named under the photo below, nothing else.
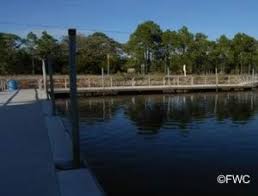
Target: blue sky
(120, 17)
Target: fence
(91, 81)
(150, 80)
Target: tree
(183, 55)
(244, 48)
(200, 50)
(47, 45)
(148, 45)
(144, 44)
(31, 45)
(169, 43)
(12, 56)
(224, 54)
(93, 51)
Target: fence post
(65, 83)
(192, 80)
(217, 80)
(102, 77)
(44, 77)
(52, 94)
(5, 85)
(178, 80)
(149, 80)
(108, 64)
(39, 84)
(253, 84)
(2, 85)
(89, 83)
(111, 82)
(73, 98)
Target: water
(171, 144)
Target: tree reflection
(149, 113)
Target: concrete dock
(27, 153)
(6, 97)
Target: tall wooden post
(44, 77)
(52, 94)
(73, 98)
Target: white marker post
(184, 70)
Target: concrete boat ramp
(36, 152)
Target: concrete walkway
(5, 97)
(26, 163)
(32, 144)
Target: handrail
(179, 80)
(134, 81)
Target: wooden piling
(52, 93)
(73, 98)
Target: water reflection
(152, 112)
(170, 144)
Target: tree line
(148, 50)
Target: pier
(168, 84)
(89, 85)
(34, 147)
(38, 159)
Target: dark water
(171, 144)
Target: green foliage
(46, 45)
(144, 44)
(148, 45)
(11, 54)
(200, 55)
(93, 52)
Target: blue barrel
(11, 85)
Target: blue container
(11, 85)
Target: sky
(119, 18)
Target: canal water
(171, 144)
